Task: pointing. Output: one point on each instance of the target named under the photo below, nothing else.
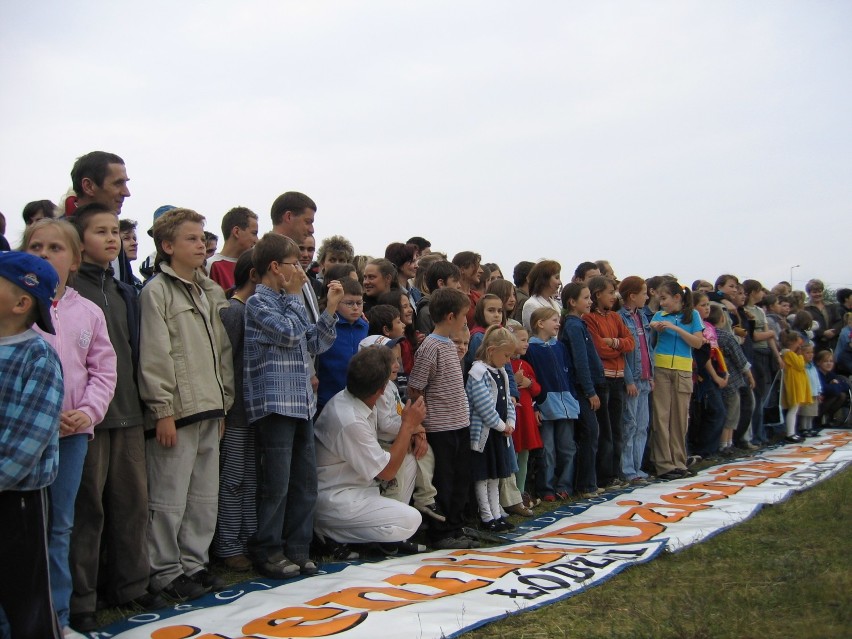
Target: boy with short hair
(186, 380)
(438, 275)
(239, 228)
(279, 342)
(114, 469)
(437, 376)
(32, 392)
(351, 328)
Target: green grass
(784, 573)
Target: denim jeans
(559, 451)
(586, 435)
(610, 433)
(63, 492)
(287, 485)
(636, 421)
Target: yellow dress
(796, 388)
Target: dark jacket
(587, 366)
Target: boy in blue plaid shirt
(279, 399)
(30, 405)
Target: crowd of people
(260, 408)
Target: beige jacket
(185, 364)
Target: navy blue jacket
(587, 366)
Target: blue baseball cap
(163, 209)
(35, 276)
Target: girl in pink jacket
(89, 377)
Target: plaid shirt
(735, 360)
(30, 404)
(279, 341)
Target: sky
(688, 137)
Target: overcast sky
(687, 137)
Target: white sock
(790, 420)
(481, 489)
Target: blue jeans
(287, 481)
(63, 492)
(559, 450)
(637, 417)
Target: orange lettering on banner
(427, 576)
(646, 531)
(184, 632)
(359, 598)
(647, 512)
(814, 454)
(692, 497)
(725, 489)
(300, 622)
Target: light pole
(791, 274)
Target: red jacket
(609, 324)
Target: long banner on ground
(443, 594)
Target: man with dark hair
(350, 508)
(522, 287)
(585, 271)
(102, 177)
(293, 215)
(239, 228)
(424, 246)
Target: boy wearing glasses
(351, 329)
(279, 341)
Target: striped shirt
(437, 374)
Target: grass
(784, 573)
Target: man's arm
(412, 416)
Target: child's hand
(509, 430)
(73, 420)
(420, 337)
(335, 294)
(721, 382)
(632, 391)
(521, 380)
(537, 418)
(294, 279)
(419, 445)
(166, 432)
(658, 326)
(595, 401)
(751, 383)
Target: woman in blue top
(678, 330)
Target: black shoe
(183, 588)
(83, 621)
(503, 525)
(672, 474)
(794, 439)
(410, 548)
(208, 580)
(147, 602)
(339, 551)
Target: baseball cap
(163, 209)
(379, 340)
(35, 276)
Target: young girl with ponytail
(678, 329)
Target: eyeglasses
(353, 303)
(288, 263)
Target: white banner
(442, 594)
